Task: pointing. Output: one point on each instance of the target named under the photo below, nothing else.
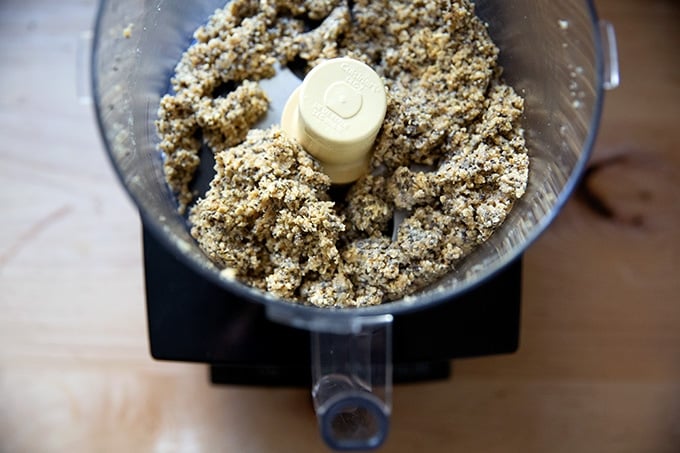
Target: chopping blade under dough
(278, 89)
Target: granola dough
(450, 157)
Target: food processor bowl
(558, 55)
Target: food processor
(558, 55)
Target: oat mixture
(450, 157)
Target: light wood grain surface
(599, 365)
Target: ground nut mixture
(450, 158)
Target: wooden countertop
(599, 365)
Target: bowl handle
(352, 383)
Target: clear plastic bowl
(558, 55)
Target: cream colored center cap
(342, 99)
(336, 115)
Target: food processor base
(191, 319)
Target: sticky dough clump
(450, 157)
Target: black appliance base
(191, 319)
